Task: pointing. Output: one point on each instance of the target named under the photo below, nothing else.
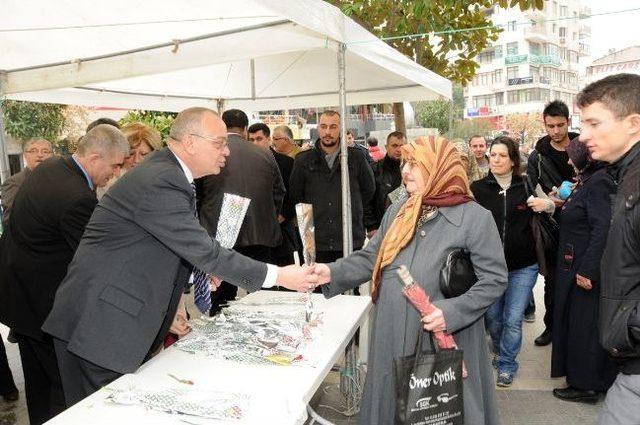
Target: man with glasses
(35, 152)
(283, 141)
(251, 172)
(123, 291)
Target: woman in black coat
(584, 225)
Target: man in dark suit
(253, 173)
(35, 151)
(260, 135)
(49, 215)
(125, 283)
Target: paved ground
(528, 401)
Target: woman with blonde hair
(438, 217)
(143, 140)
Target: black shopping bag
(429, 387)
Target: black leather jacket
(620, 268)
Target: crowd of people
(99, 248)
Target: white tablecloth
(279, 394)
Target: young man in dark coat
(388, 178)
(610, 110)
(548, 166)
(49, 216)
(316, 180)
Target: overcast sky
(612, 31)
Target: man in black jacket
(316, 180)
(548, 166)
(388, 178)
(250, 172)
(610, 111)
(49, 216)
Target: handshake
(303, 278)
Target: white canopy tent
(166, 55)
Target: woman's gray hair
(105, 140)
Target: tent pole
(347, 240)
(5, 171)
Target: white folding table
(279, 394)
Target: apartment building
(535, 60)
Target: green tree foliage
(161, 121)
(434, 114)
(447, 47)
(25, 120)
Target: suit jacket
(253, 173)
(134, 259)
(9, 190)
(50, 213)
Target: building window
(487, 100)
(512, 25)
(498, 52)
(534, 48)
(512, 72)
(512, 48)
(512, 97)
(497, 76)
(554, 28)
(564, 10)
(487, 56)
(562, 31)
(500, 98)
(534, 71)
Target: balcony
(519, 81)
(534, 59)
(515, 59)
(544, 60)
(528, 80)
(537, 33)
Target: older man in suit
(49, 216)
(36, 151)
(253, 173)
(124, 286)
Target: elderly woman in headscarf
(584, 225)
(438, 217)
(469, 162)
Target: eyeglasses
(42, 151)
(220, 142)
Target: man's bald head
(189, 121)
